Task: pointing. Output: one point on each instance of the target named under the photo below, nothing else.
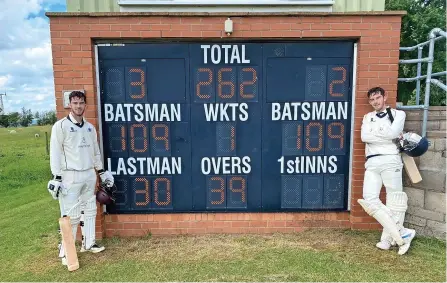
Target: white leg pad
(384, 217)
(397, 202)
(89, 221)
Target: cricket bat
(69, 243)
(411, 168)
(409, 163)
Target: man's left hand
(107, 177)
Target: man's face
(77, 106)
(377, 101)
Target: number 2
(331, 86)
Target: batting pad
(384, 217)
(89, 223)
(397, 202)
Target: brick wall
(378, 36)
(427, 208)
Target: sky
(26, 71)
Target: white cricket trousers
(80, 186)
(386, 170)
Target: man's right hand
(55, 187)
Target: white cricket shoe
(95, 248)
(384, 245)
(407, 237)
(64, 260)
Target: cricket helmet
(413, 144)
(105, 193)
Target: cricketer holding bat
(74, 156)
(384, 166)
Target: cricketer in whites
(74, 157)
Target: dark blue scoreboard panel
(227, 126)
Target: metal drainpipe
(431, 49)
(418, 74)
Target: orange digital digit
(132, 138)
(226, 137)
(165, 136)
(298, 137)
(331, 86)
(139, 83)
(241, 190)
(320, 136)
(122, 137)
(340, 136)
(222, 83)
(233, 134)
(208, 82)
(168, 191)
(220, 190)
(251, 82)
(145, 191)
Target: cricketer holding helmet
(384, 166)
(74, 156)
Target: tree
(37, 115)
(422, 16)
(26, 117)
(52, 118)
(4, 121)
(47, 118)
(14, 119)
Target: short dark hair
(78, 94)
(376, 89)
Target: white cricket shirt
(378, 132)
(74, 146)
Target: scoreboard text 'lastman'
(227, 127)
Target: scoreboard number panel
(226, 192)
(136, 85)
(114, 88)
(247, 127)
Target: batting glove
(55, 187)
(107, 178)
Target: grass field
(29, 238)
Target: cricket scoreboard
(224, 126)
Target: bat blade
(69, 243)
(411, 169)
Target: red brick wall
(378, 36)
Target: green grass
(28, 240)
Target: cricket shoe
(95, 248)
(384, 245)
(407, 237)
